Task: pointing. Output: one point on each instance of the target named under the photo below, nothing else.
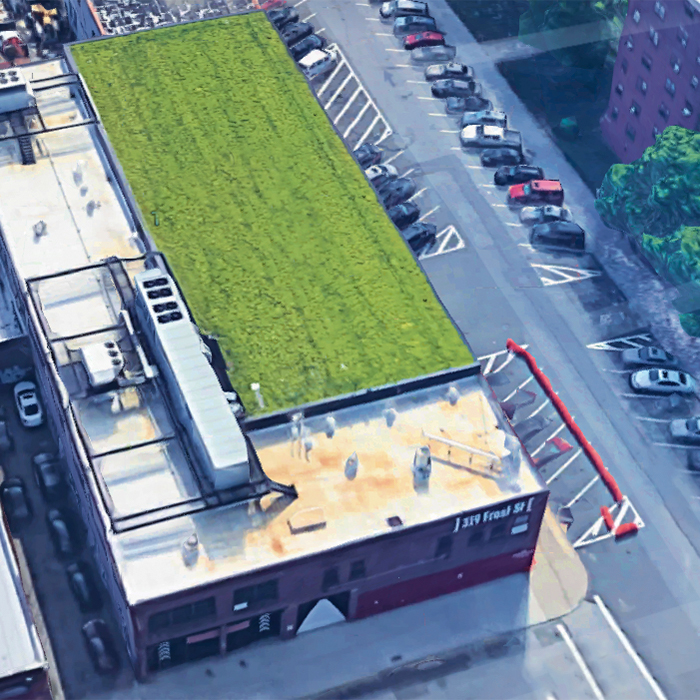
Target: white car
(687, 430)
(28, 406)
(545, 215)
(487, 117)
(482, 136)
(662, 381)
(648, 356)
(317, 62)
(380, 174)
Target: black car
(501, 156)
(7, 443)
(307, 45)
(398, 191)
(694, 460)
(474, 103)
(403, 215)
(61, 534)
(283, 16)
(48, 476)
(414, 24)
(559, 235)
(16, 503)
(295, 32)
(420, 236)
(517, 174)
(83, 586)
(100, 646)
(453, 88)
(368, 154)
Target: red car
(537, 192)
(272, 5)
(417, 41)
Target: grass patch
(278, 242)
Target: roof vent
(40, 229)
(103, 362)
(190, 550)
(394, 521)
(422, 463)
(351, 465)
(307, 520)
(453, 395)
(390, 415)
(160, 293)
(330, 426)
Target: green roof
(279, 243)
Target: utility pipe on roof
(461, 446)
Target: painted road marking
(323, 87)
(499, 353)
(438, 114)
(407, 173)
(580, 661)
(348, 104)
(404, 65)
(446, 236)
(515, 391)
(322, 29)
(427, 214)
(393, 50)
(537, 410)
(394, 157)
(471, 167)
(641, 396)
(418, 194)
(372, 19)
(508, 360)
(429, 99)
(356, 121)
(638, 340)
(486, 184)
(301, 2)
(593, 535)
(336, 94)
(500, 206)
(381, 34)
(311, 16)
(582, 492)
(416, 82)
(508, 223)
(448, 131)
(368, 132)
(676, 445)
(554, 434)
(566, 274)
(628, 648)
(617, 371)
(564, 466)
(653, 420)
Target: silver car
(481, 136)
(648, 357)
(430, 54)
(544, 215)
(662, 381)
(488, 117)
(686, 430)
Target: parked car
(662, 381)
(501, 156)
(49, 477)
(517, 174)
(27, 400)
(7, 443)
(694, 460)
(368, 154)
(413, 24)
(431, 54)
(483, 136)
(272, 5)
(306, 46)
(443, 71)
(82, 584)
(100, 646)
(686, 430)
(453, 88)
(283, 16)
(648, 356)
(489, 117)
(537, 192)
(16, 503)
(380, 175)
(420, 236)
(403, 8)
(544, 215)
(317, 62)
(423, 39)
(61, 535)
(295, 32)
(403, 215)
(559, 236)
(398, 191)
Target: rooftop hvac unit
(15, 92)
(103, 362)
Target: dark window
(357, 570)
(670, 87)
(694, 82)
(635, 109)
(647, 61)
(498, 531)
(614, 113)
(659, 10)
(683, 379)
(477, 537)
(642, 86)
(624, 65)
(444, 547)
(629, 44)
(158, 621)
(689, 9)
(654, 36)
(676, 64)
(688, 109)
(330, 578)
(619, 89)
(250, 596)
(682, 37)
(664, 111)
(630, 131)
(182, 614)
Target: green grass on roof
(274, 235)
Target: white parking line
(448, 131)
(336, 94)
(394, 50)
(653, 420)
(486, 184)
(673, 444)
(394, 157)
(471, 167)
(616, 371)
(446, 236)
(322, 29)
(429, 99)
(427, 214)
(508, 223)
(368, 131)
(563, 466)
(500, 206)
(628, 648)
(416, 82)
(418, 194)
(581, 663)
(640, 396)
(583, 491)
(537, 410)
(404, 65)
(301, 2)
(515, 391)
(311, 16)
(553, 435)
(381, 34)
(323, 87)
(373, 19)
(437, 114)
(407, 173)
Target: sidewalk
(348, 652)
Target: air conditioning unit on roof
(103, 362)
(15, 92)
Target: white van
(317, 62)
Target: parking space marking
(471, 167)
(653, 420)
(515, 391)
(508, 223)
(486, 184)
(501, 206)
(382, 34)
(581, 663)
(528, 246)
(404, 65)
(616, 371)
(416, 82)
(640, 396)
(505, 363)
(438, 114)
(631, 341)
(301, 2)
(449, 131)
(675, 445)
(394, 50)
(322, 29)
(356, 121)
(429, 99)
(373, 19)
(418, 194)
(407, 173)
(566, 274)
(427, 214)
(583, 491)
(593, 533)
(384, 136)
(368, 132)
(311, 16)
(347, 105)
(447, 235)
(564, 466)
(336, 94)
(554, 434)
(537, 410)
(335, 72)
(394, 157)
(499, 353)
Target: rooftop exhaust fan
(352, 463)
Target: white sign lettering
(466, 521)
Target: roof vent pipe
(390, 415)
(351, 465)
(190, 550)
(330, 427)
(422, 464)
(453, 395)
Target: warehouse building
(211, 531)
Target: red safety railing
(586, 446)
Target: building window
(444, 547)
(619, 89)
(659, 10)
(688, 109)
(624, 65)
(477, 537)
(642, 86)
(635, 109)
(689, 9)
(683, 37)
(664, 111)
(654, 36)
(694, 82)
(631, 132)
(647, 61)
(614, 113)
(629, 44)
(498, 531)
(330, 578)
(676, 64)
(357, 570)
(636, 16)
(655, 131)
(670, 87)
(252, 596)
(520, 525)
(184, 613)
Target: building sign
(468, 520)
